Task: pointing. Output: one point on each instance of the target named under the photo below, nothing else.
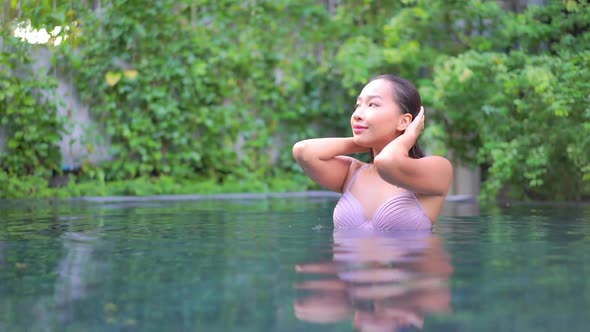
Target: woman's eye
(373, 105)
(356, 106)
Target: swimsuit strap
(355, 175)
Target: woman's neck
(378, 148)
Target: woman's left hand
(417, 126)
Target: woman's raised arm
(324, 160)
(427, 175)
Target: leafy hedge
(211, 89)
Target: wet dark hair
(407, 97)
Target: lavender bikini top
(401, 212)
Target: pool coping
(314, 194)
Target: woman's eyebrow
(369, 97)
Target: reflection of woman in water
(401, 188)
(383, 281)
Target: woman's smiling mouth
(357, 129)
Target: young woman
(401, 189)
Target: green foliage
(32, 127)
(37, 187)
(182, 92)
(189, 90)
(426, 32)
(523, 113)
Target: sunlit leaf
(130, 74)
(112, 78)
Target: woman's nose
(358, 114)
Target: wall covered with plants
(195, 91)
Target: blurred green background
(208, 96)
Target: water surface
(276, 264)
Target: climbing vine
(221, 89)
(28, 115)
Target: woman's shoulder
(439, 162)
(442, 161)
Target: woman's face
(376, 116)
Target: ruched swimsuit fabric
(403, 211)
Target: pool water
(277, 264)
